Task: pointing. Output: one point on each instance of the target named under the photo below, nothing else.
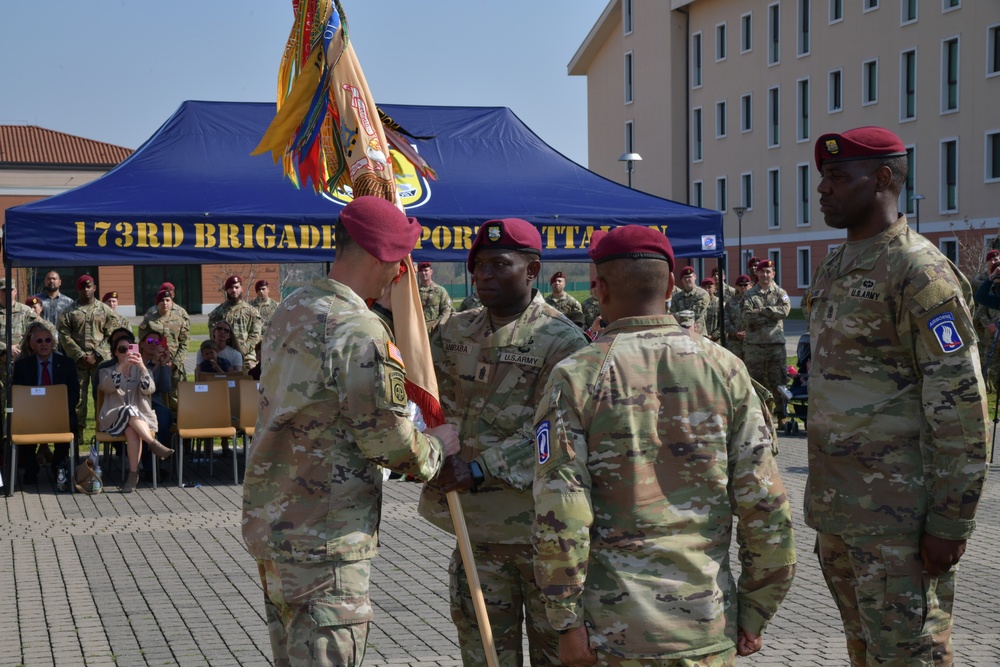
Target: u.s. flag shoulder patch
(944, 329)
(542, 441)
(393, 352)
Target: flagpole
(478, 601)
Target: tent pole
(721, 289)
(8, 483)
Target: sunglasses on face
(122, 349)
(152, 341)
(43, 340)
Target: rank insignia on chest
(542, 441)
(946, 332)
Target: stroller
(797, 392)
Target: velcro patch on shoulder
(392, 352)
(929, 291)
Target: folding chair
(100, 437)
(40, 415)
(202, 412)
(248, 400)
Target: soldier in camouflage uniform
(712, 313)
(491, 365)
(176, 308)
(631, 550)
(470, 302)
(563, 302)
(85, 331)
(736, 331)
(264, 304)
(690, 302)
(110, 299)
(897, 417)
(765, 307)
(175, 328)
(591, 309)
(433, 297)
(242, 317)
(333, 409)
(985, 320)
(724, 290)
(21, 316)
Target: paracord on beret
(380, 228)
(861, 143)
(506, 234)
(633, 242)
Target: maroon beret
(707, 281)
(161, 295)
(744, 279)
(861, 143)
(753, 260)
(380, 228)
(506, 234)
(423, 265)
(765, 264)
(260, 283)
(633, 242)
(687, 271)
(110, 295)
(232, 280)
(596, 237)
(32, 300)
(993, 253)
(557, 274)
(169, 286)
(83, 281)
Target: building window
(696, 60)
(773, 34)
(869, 82)
(993, 156)
(775, 256)
(908, 11)
(804, 20)
(698, 194)
(949, 248)
(949, 175)
(805, 266)
(773, 198)
(629, 137)
(628, 78)
(948, 5)
(720, 42)
(836, 10)
(993, 50)
(836, 91)
(908, 205)
(908, 85)
(870, 5)
(696, 129)
(746, 113)
(746, 33)
(774, 118)
(802, 129)
(805, 194)
(949, 75)
(746, 190)
(721, 194)
(627, 16)
(720, 119)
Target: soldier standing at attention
(712, 312)
(263, 302)
(85, 333)
(491, 364)
(175, 328)
(690, 302)
(631, 550)
(21, 316)
(332, 410)
(985, 320)
(564, 302)
(433, 297)
(591, 307)
(897, 411)
(765, 307)
(472, 300)
(724, 290)
(736, 332)
(243, 319)
(110, 299)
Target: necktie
(46, 378)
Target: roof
(30, 145)
(595, 39)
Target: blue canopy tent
(193, 194)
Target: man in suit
(44, 367)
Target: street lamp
(739, 211)
(628, 159)
(917, 198)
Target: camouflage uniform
(266, 307)
(20, 317)
(712, 318)
(734, 323)
(176, 308)
(628, 523)
(86, 329)
(246, 324)
(591, 310)
(53, 308)
(470, 302)
(727, 291)
(332, 410)
(435, 301)
(568, 306)
(490, 384)
(695, 300)
(175, 327)
(982, 318)
(764, 347)
(897, 439)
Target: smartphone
(133, 349)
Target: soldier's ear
(670, 285)
(534, 268)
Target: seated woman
(222, 336)
(127, 387)
(211, 362)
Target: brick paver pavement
(162, 578)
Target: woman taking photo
(127, 387)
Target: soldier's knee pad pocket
(463, 612)
(340, 610)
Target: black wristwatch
(477, 475)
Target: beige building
(724, 101)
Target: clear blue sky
(115, 70)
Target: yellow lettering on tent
(124, 239)
(173, 235)
(147, 235)
(264, 236)
(288, 238)
(204, 235)
(463, 238)
(441, 237)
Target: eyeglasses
(43, 340)
(122, 348)
(153, 341)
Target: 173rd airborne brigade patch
(542, 441)
(944, 329)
